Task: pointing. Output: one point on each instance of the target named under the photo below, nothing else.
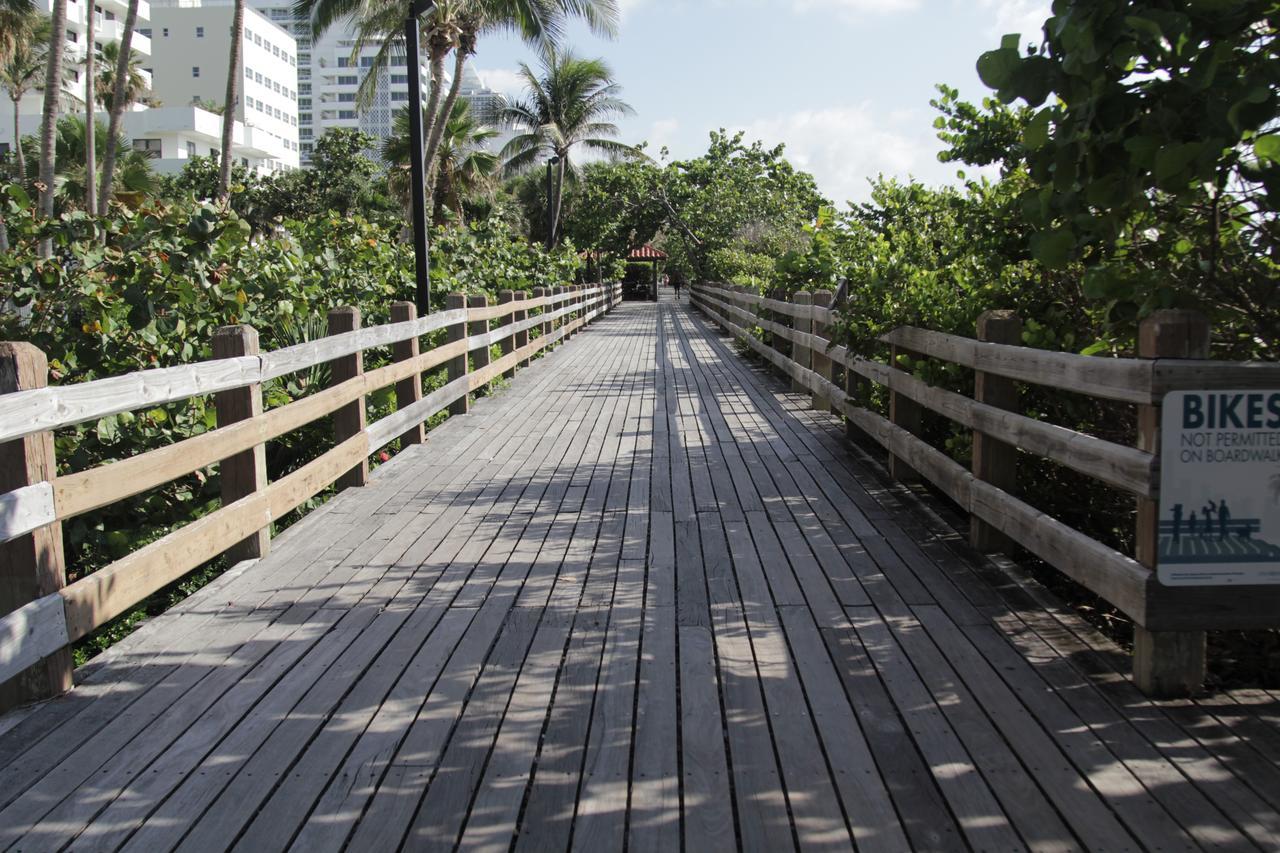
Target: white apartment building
(108, 27)
(329, 77)
(191, 46)
(171, 136)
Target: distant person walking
(1177, 521)
(675, 285)
(1224, 516)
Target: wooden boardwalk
(642, 599)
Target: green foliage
(486, 257)
(1148, 136)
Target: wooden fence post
(409, 389)
(508, 344)
(350, 419)
(1165, 663)
(559, 323)
(821, 364)
(522, 338)
(245, 472)
(800, 353)
(457, 364)
(995, 461)
(903, 412)
(31, 566)
(539, 293)
(479, 355)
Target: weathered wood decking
(642, 598)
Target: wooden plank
(32, 565)
(1123, 467)
(31, 633)
(705, 805)
(1125, 379)
(110, 591)
(241, 474)
(921, 807)
(763, 818)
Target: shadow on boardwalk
(643, 597)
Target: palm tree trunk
(233, 96)
(437, 46)
(21, 159)
(49, 117)
(446, 110)
(90, 101)
(117, 107)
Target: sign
(1219, 488)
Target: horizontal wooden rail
(1123, 467)
(55, 407)
(1120, 579)
(47, 624)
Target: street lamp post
(417, 167)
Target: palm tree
(133, 170)
(135, 89)
(49, 116)
(116, 106)
(23, 72)
(569, 105)
(465, 165)
(234, 74)
(452, 24)
(16, 21)
(542, 30)
(90, 107)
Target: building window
(293, 63)
(257, 76)
(366, 62)
(191, 150)
(275, 50)
(304, 88)
(344, 62)
(305, 117)
(257, 39)
(248, 34)
(399, 96)
(165, 33)
(146, 31)
(150, 148)
(344, 114)
(276, 112)
(248, 73)
(348, 80)
(345, 98)
(304, 103)
(306, 147)
(399, 79)
(305, 133)
(195, 72)
(199, 35)
(398, 61)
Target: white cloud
(843, 147)
(661, 132)
(504, 80)
(879, 7)
(1025, 17)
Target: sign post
(1219, 488)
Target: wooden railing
(50, 615)
(1169, 644)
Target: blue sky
(844, 83)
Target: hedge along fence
(1169, 639)
(44, 615)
